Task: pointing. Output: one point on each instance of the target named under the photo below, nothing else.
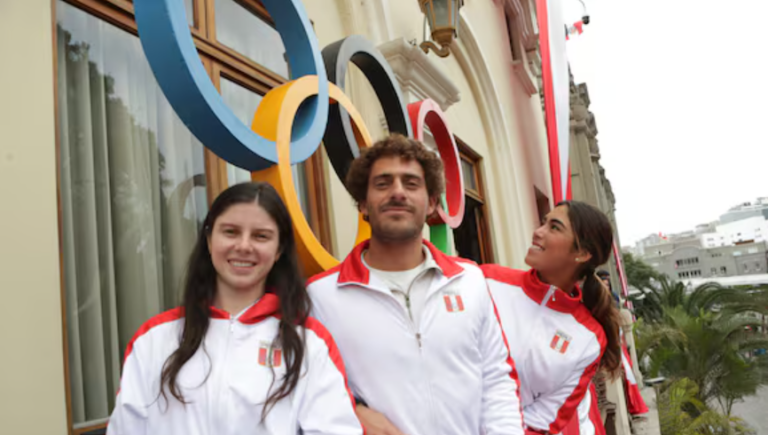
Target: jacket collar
(267, 306)
(354, 271)
(558, 300)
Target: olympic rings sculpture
(293, 119)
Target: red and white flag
(270, 356)
(576, 28)
(622, 277)
(556, 82)
(635, 403)
(453, 303)
(560, 342)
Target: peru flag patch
(453, 303)
(560, 342)
(270, 356)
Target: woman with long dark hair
(559, 318)
(240, 356)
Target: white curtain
(132, 199)
(247, 33)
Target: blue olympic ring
(168, 45)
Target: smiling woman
(562, 302)
(244, 245)
(243, 281)
(135, 183)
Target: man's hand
(375, 423)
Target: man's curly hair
(395, 145)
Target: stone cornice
(526, 61)
(525, 18)
(524, 77)
(418, 74)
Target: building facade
(104, 187)
(588, 179)
(685, 261)
(734, 246)
(746, 210)
(751, 229)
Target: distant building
(752, 229)
(735, 245)
(746, 210)
(687, 259)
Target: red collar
(267, 306)
(559, 300)
(354, 271)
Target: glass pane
(467, 237)
(190, 12)
(240, 29)
(442, 12)
(190, 9)
(243, 103)
(468, 173)
(133, 198)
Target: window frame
(467, 154)
(218, 60)
(256, 8)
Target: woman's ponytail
(597, 298)
(593, 233)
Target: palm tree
(707, 297)
(682, 413)
(711, 349)
(709, 341)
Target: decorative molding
(526, 62)
(582, 119)
(521, 72)
(534, 62)
(529, 29)
(418, 74)
(524, 12)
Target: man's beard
(390, 231)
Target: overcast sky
(679, 90)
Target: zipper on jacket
(222, 373)
(407, 296)
(526, 348)
(408, 305)
(551, 293)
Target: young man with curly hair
(417, 329)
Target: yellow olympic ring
(274, 120)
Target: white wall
(754, 228)
(32, 398)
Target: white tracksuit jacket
(451, 375)
(227, 383)
(557, 345)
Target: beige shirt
(409, 287)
